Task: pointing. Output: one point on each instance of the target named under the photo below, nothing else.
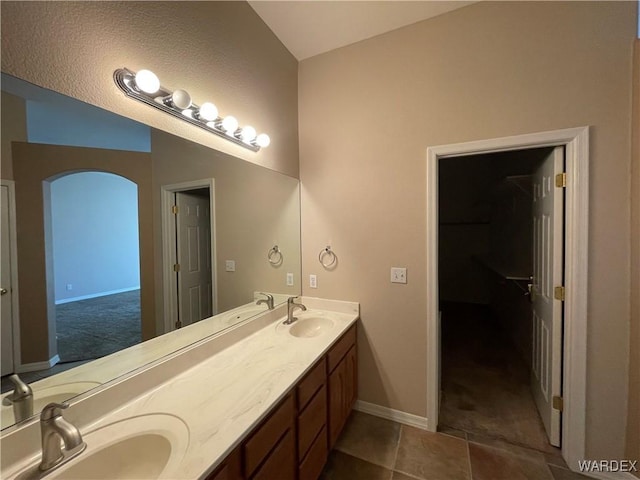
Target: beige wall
(14, 129)
(217, 51)
(34, 166)
(633, 422)
(255, 208)
(369, 111)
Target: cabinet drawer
(311, 467)
(281, 463)
(339, 350)
(310, 384)
(311, 421)
(267, 435)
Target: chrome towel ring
(275, 255)
(331, 260)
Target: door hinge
(558, 293)
(176, 267)
(557, 403)
(178, 324)
(174, 209)
(561, 180)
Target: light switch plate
(289, 279)
(313, 281)
(398, 275)
(230, 265)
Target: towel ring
(327, 252)
(275, 255)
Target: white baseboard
(96, 295)
(391, 414)
(32, 367)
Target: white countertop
(98, 372)
(222, 398)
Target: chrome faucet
(268, 300)
(55, 428)
(291, 306)
(21, 399)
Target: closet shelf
(521, 182)
(449, 224)
(502, 270)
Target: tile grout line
(395, 456)
(468, 456)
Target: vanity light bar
(145, 87)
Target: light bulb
(263, 140)
(207, 112)
(230, 124)
(179, 99)
(247, 134)
(147, 81)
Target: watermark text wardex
(608, 465)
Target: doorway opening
(189, 267)
(497, 366)
(93, 246)
(571, 301)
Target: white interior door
(5, 286)
(548, 242)
(193, 242)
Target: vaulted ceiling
(309, 28)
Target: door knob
(3, 291)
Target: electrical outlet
(69, 287)
(313, 281)
(289, 279)
(398, 275)
(230, 265)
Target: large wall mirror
(122, 243)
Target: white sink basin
(311, 326)
(145, 447)
(57, 393)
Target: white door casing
(170, 291)
(193, 233)
(548, 244)
(5, 286)
(574, 368)
(12, 294)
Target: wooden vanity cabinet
(343, 383)
(312, 422)
(230, 469)
(269, 451)
(293, 442)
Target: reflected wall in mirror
(124, 233)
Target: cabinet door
(336, 401)
(351, 380)
(343, 391)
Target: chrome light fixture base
(125, 80)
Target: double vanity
(263, 399)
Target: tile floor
(485, 381)
(372, 448)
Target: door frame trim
(15, 298)
(576, 143)
(169, 247)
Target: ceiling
(308, 28)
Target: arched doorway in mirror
(93, 263)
